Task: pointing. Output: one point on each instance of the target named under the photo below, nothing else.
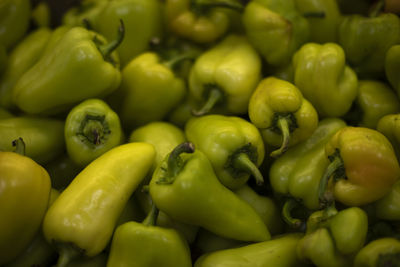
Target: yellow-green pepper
(388, 207)
(389, 126)
(379, 252)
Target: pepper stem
(68, 253)
(377, 8)
(151, 218)
(172, 62)
(242, 162)
(215, 95)
(19, 145)
(283, 125)
(108, 48)
(231, 4)
(324, 197)
(93, 130)
(287, 209)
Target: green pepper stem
(68, 253)
(283, 125)
(19, 145)
(323, 220)
(231, 4)
(324, 198)
(151, 218)
(107, 49)
(315, 14)
(377, 8)
(215, 95)
(242, 162)
(172, 62)
(93, 130)
(287, 209)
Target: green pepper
(5, 114)
(91, 129)
(333, 236)
(79, 66)
(25, 192)
(14, 21)
(297, 173)
(202, 21)
(392, 64)
(84, 14)
(365, 40)
(44, 137)
(233, 145)
(185, 187)
(226, 75)
(147, 245)
(321, 74)
(375, 99)
(142, 19)
(22, 58)
(83, 217)
(41, 15)
(363, 167)
(276, 29)
(283, 116)
(389, 126)
(379, 253)
(207, 242)
(280, 251)
(388, 207)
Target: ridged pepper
(148, 245)
(233, 145)
(91, 129)
(82, 219)
(389, 126)
(276, 29)
(375, 35)
(84, 14)
(375, 99)
(80, 65)
(43, 137)
(14, 21)
(283, 116)
(25, 192)
(363, 167)
(333, 237)
(280, 251)
(379, 252)
(321, 74)
(388, 207)
(202, 21)
(186, 188)
(25, 54)
(226, 75)
(392, 65)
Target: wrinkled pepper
(363, 167)
(392, 65)
(379, 253)
(321, 74)
(25, 191)
(82, 219)
(91, 129)
(276, 29)
(233, 145)
(185, 187)
(388, 207)
(226, 75)
(148, 245)
(389, 126)
(81, 65)
(284, 117)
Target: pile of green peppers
(200, 133)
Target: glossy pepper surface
(82, 219)
(233, 145)
(25, 187)
(363, 167)
(284, 117)
(81, 65)
(392, 65)
(226, 75)
(185, 187)
(379, 252)
(91, 129)
(321, 74)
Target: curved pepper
(185, 187)
(226, 75)
(147, 245)
(321, 74)
(392, 65)
(14, 21)
(233, 145)
(82, 219)
(379, 252)
(25, 192)
(389, 126)
(91, 129)
(276, 29)
(281, 113)
(363, 167)
(78, 67)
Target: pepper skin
(233, 145)
(226, 75)
(78, 67)
(379, 252)
(85, 14)
(91, 129)
(147, 245)
(363, 167)
(389, 126)
(185, 187)
(388, 207)
(281, 113)
(392, 65)
(83, 217)
(321, 74)
(25, 192)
